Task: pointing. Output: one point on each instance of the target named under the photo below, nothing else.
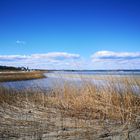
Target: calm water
(77, 78)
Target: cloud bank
(116, 60)
(53, 60)
(53, 55)
(64, 60)
(109, 55)
(56, 55)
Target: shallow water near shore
(76, 78)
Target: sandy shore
(30, 122)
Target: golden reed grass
(16, 76)
(113, 101)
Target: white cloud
(20, 42)
(49, 56)
(13, 57)
(116, 60)
(64, 60)
(57, 55)
(57, 60)
(115, 55)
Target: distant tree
(11, 68)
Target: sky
(70, 34)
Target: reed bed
(110, 105)
(107, 102)
(17, 76)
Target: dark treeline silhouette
(11, 68)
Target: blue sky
(70, 34)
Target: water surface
(77, 78)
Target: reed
(17, 76)
(113, 101)
(105, 102)
(77, 109)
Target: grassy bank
(69, 112)
(16, 76)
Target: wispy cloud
(20, 42)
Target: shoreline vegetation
(69, 112)
(6, 76)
